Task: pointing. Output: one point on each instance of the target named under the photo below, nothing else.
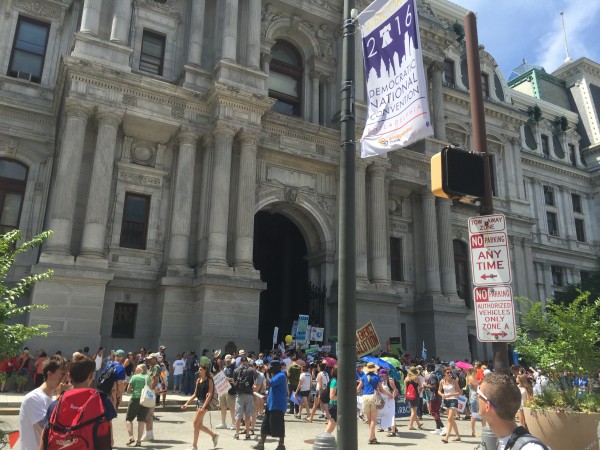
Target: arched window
(13, 180)
(285, 78)
(461, 268)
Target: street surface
(174, 431)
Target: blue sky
(512, 30)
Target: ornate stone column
(244, 233)
(230, 30)
(96, 214)
(547, 281)
(90, 19)
(315, 75)
(265, 62)
(253, 47)
(219, 196)
(439, 122)
(64, 192)
(362, 273)
(205, 196)
(568, 216)
(121, 22)
(537, 198)
(196, 38)
(182, 200)
(430, 238)
(446, 247)
(378, 225)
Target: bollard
(488, 439)
(325, 441)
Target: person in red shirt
(479, 376)
(7, 368)
(39, 376)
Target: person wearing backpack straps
(322, 385)
(499, 400)
(412, 386)
(80, 414)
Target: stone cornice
(557, 167)
(45, 9)
(498, 110)
(223, 95)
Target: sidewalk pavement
(174, 430)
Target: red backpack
(78, 422)
(411, 392)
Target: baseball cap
(120, 352)
(242, 352)
(162, 347)
(243, 358)
(228, 357)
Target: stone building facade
(185, 154)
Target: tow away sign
(494, 314)
(490, 259)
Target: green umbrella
(393, 361)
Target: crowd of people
(266, 386)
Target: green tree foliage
(562, 337)
(590, 284)
(12, 335)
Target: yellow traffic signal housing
(456, 173)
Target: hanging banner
(301, 337)
(366, 340)
(398, 112)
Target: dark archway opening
(280, 256)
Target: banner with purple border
(398, 112)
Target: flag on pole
(424, 352)
(398, 112)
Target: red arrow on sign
(485, 276)
(497, 335)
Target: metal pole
(500, 349)
(347, 427)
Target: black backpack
(520, 437)
(324, 394)
(244, 379)
(107, 379)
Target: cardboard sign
(316, 334)
(366, 340)
(221, 383)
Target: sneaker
(222, 426)
(148, 436)
(436, 431)
(322, 416)
(236, 436)
(232, 426)
(215, 440)
(192, 448)
(259, 446)
(443, 431)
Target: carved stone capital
(187, 137)
(223, 131)
(106, 117)
(314, 73)
(436, 66)
(249, 138)
(377, 169)
(266, 57)
(73, 110)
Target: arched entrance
(280, 255)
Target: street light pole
(347, 427)
(500, 349)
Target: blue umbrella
(377, 361)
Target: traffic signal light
(457, 173)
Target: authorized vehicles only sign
(494, 313)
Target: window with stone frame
(576, 200)
(134, 228)
(449, 73)
(545, 146)
(462, 271)
(485, 85)
(580, 230)
(29, 49)
(549, 196)
(13, 181)
(152, 55)
(396, 263)
(285, 78)
(557, 276)
(552, 223)
(124, 319)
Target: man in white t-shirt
(178, 368)
(35, 404)
(499, 400)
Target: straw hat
(217, 353)
(370, 367)
(413, 371)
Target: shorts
(136, 410)
(368, 402)
(451, 403)
(227, 401)
(414, 403)
(273, 424)
(244, 406)
(303, 393)
(333, 412)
